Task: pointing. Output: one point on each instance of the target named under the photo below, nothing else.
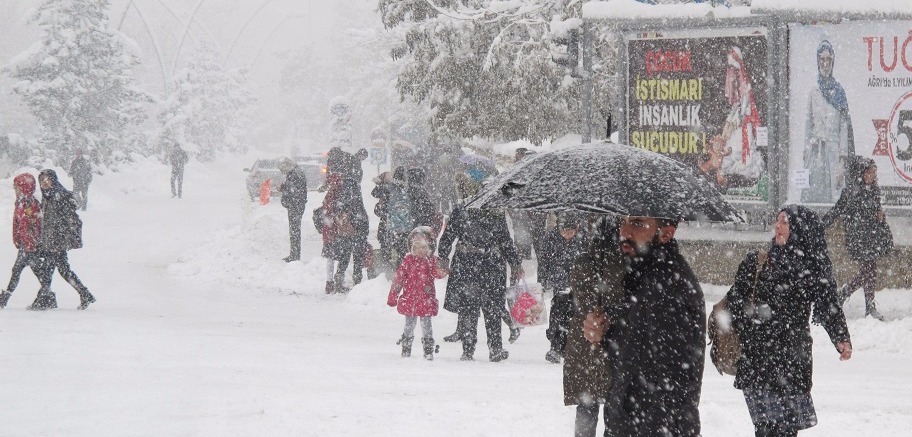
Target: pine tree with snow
(76, 81)
(207, 111)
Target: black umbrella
(606, 178)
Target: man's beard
(642, 251)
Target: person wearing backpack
(399, 220)
(26, 231)
(61, 231)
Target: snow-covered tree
(76, 81)
(207, 110)
(486, 66)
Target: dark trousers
(177, 182)
(24, 259)
(81, 193)
(586, 420)
(354, 250)
(493, 309)
(294, 233)
(559, 319)
(867, 279)
(774, 429)
(59, 261)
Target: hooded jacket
(27, 214)
(61, 227)
(867, 238)
(773, 321)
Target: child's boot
(429, 349)
(406, 343)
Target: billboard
(700, 96)
(850, 88)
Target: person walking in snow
(81, 172)
(562, 247)
(596, 281)
(294, 199)
(479, 274)
(866, 232)
(179, 159)
(771, 305)
(413, 291)
(61, 231)
(26, 234)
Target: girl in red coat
(26, 230)
(413, 291)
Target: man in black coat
(657, 335)
(61, 230)
(81, 172)
(562, 246)
(294, 199)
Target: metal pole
(155, 47)
(241, 31)
(587, 82)
(184, 36)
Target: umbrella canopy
(606, 178)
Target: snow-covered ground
(201, 330)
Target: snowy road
(201, 330)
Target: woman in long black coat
(773, 321)
(478, 275)
(866, 232)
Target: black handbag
(318, 219)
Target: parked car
(314, 169)
(259, 172)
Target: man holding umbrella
(657, 331)
(656, 335)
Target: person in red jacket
(26, 231)
(413, 291)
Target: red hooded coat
(415, 279)
(26, 218)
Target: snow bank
(615, 9)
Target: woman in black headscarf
(771, 303)
(866, 232)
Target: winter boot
(498, 355)
(406, 343)
(85, 298)
(871, 310)
(330, 287)
(553, 356)
(468, 350)
(357, 277)
(429, 348)
(46, 300)
(4, 298)
(514, 335)
(452, 338)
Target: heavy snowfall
(200, 325)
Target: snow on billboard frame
(700, 20)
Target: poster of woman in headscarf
(850, 93)
(828, 135)
(700, 96)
